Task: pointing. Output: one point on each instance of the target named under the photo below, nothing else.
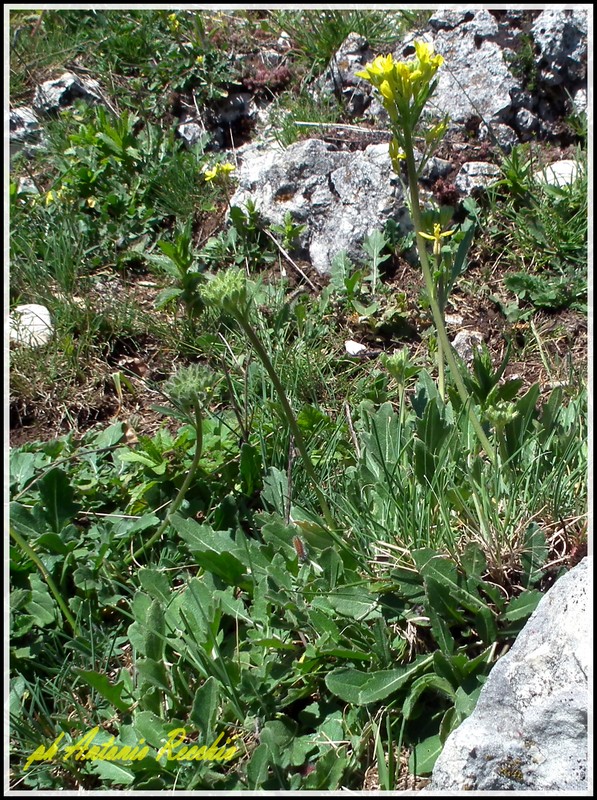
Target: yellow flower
(399, 82)
(200, 59)
(211, 173)
(49, 197)
(437, 237)
(91, 202)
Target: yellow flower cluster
(210, 173)
(402, 82)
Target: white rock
(30, 325)
(528, 731)
(53, 95)
(354, 348)
(579, 101)
(560, 173)
(453, 320)
(465, 342)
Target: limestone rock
(476, 175)
(528, 731)
(30, 325)
(25, 129)
(559, 173)
(466, 342)
(340, 196)
(53, 95)
(561, 37)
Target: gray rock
(505, 136)
(526, 122)
(476, 175)
(561, 37)
(53, 95)
(448, 19)
(474, 80)
(30, 325)
(579, 101)
(191, 133)
(24, 125)
(26, 186)
(340, 196)
(340, 77)
(25, 130)
(528, 731)
(436, 168)
(466, 342)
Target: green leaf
(155, 584)
(155, 632)
(473, 560)
(257, 768)
(41, 605)
(109, 691)
(356, 603)
(328, 771)
(154, 673)
(534, 555)
(440, 630)
(152, 728)
(485, 624)
(465, 702)
(205, 707)
(57, 495)
(361, 688)
(166, 296)
(421, 685)
(323, 624)
(340, 269)
(113, 773)
(250, 469)
(522, 607)
(424, 755)
(460, 263)
(211, 549)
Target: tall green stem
(442, 336)
(296, 431)
(30, 553)
(183, 489)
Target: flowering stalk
(228, 292)
(405, 88)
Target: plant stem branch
(443, 340)
(296, 431)
(30, 552)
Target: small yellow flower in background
(173, 22)
(437, 237)
(91, 202)
(199, 59)
(51, 196)
(210, 173)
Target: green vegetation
(311, 559)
